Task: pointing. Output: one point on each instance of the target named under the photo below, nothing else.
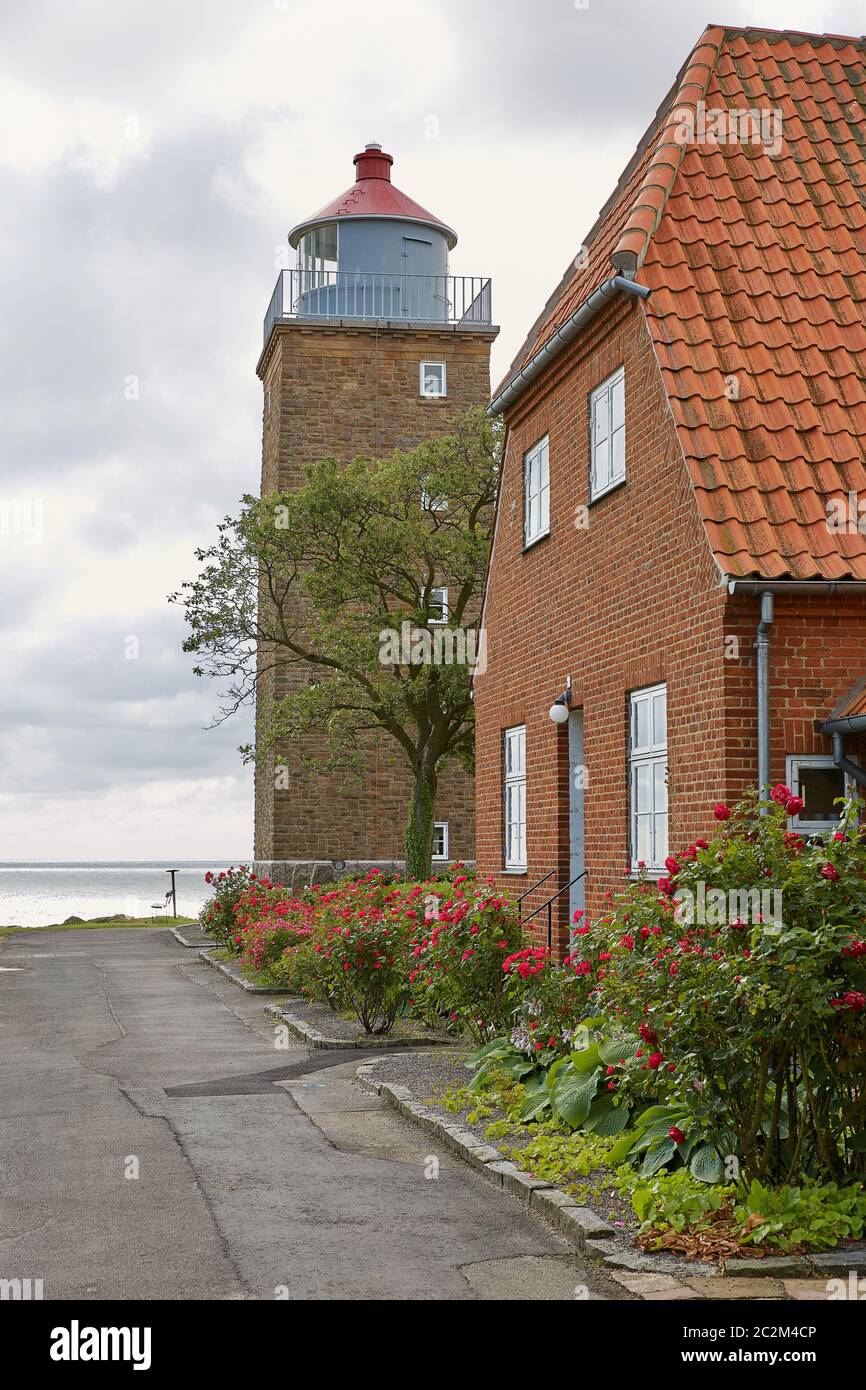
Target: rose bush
(217, 916)
(752, 1008)
(456, 961)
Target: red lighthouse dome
(373, 195)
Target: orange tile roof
(854, 702)
(757, 267)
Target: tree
(340, 577)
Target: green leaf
(614, 1049)
(587, 1059)
(574, 1094)
(705, 1164)
(605, 1118)
(657, 1156)
(622, 1148)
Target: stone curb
(237, 979)
(314, 1038)
(640, 1276)
(202, 945)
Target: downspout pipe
(617, 284)
(762, 646)
(836, 729)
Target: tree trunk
(418, 836)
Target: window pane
(531, 517)
(643, 787)
(660, 720)
(544, 510)
(618, 457)
(601, 413)
(660, 786)
(618, 402)
(818, 787)
(601, 465)
(661, 839)
(643, 839)
(641, 734)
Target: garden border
(202, 945)
(638, 1273)
(226, 968)
(376, 1041)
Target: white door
(576, 794)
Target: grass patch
(97, 923)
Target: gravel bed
(346, 1027)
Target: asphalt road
(155, 1143)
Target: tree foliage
(337, 580)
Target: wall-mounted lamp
(560, 707)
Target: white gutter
(828, 587)
(617, 284)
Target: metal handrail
(456, 300)
(549, 906)
(533, 888)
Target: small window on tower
(433, 380)
(438, 606)
(440, 839)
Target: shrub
(549, 1002)
(457, 962)
(217, 916)
(365, 968)
(759, 1025)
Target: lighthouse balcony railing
(452, 300)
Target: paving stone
(647, 1283)
(788, 1267)
(585, 1221)
(550, 1202)
(807, 1290)
(514, 1180)
(720, 1287)
(839, 1262)
(678, 1294)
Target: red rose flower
(794, 805)
(655, 1060)
(781, 794)
(853, 1000)
(830, 872)
(676, 1134)
(721, 811)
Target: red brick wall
(817, 652)
(633, 600)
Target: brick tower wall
(347, 392)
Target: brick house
(676, 598)
(370, 345)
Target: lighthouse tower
(370, 345)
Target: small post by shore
(173, 892)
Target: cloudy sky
(153, 155)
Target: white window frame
(514, 798)
(433, 504)
(443, 826)
(422, 378)
(654, 756)
(793, 763)
(603, 430)
(441, 621)
(536, 492)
